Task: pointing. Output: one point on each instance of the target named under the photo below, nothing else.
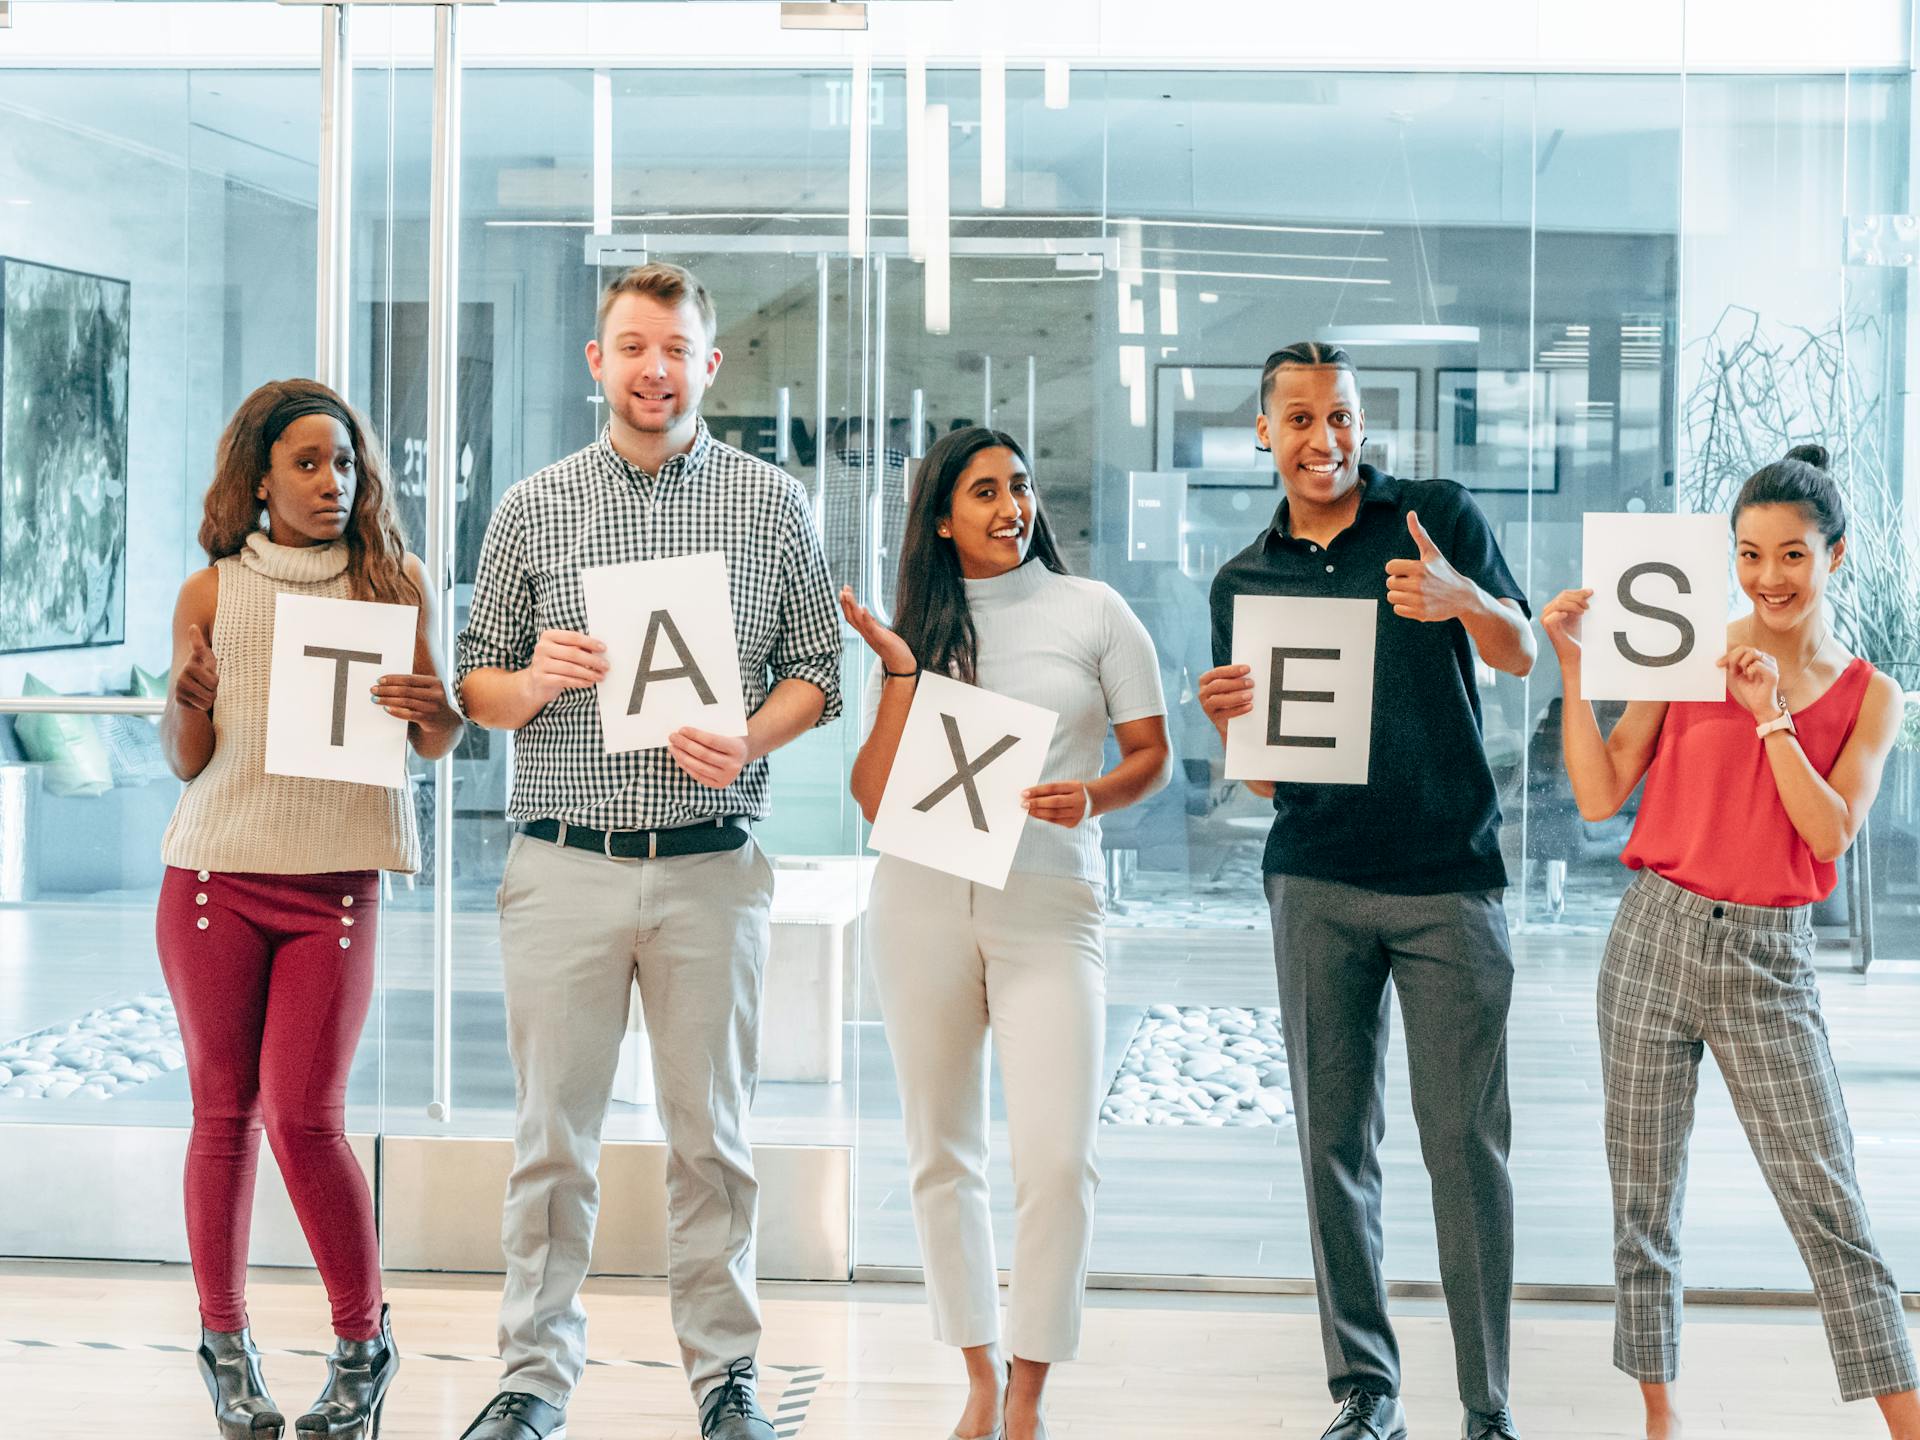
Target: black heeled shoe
(242, 1408)
(358, 1374)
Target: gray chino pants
(575, 929)
(1336, 947)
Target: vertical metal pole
(877, 474)
(1033, 396)
(986, 391)
(335, 220)
(820, 395)
(917, 421)
(443, 463)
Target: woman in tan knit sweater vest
(267, 914)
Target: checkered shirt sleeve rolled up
(593, 508)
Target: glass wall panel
(1606, 162)
(1793, 329)
(1571, 293)
(157, 235)
(753, 200)
(1506, 259)
(388, 185)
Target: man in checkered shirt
(641, 862)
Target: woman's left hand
(417, 699)
(1753, 679)
(1062, 802)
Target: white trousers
(957, 963)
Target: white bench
(816, 902)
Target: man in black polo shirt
(1398, 879)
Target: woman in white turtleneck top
(983, 597)
(269, 907)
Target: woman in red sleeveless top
(1749, 800)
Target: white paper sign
(1657, 622)
(1312, 664)
(322, 723)
(671, 653)
(952, 801)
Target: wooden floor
(79, 1359)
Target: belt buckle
(561, 838)
(606, 843)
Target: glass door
(564, 184)
(157, 262)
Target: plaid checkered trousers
(593, 508)
(1682, 972)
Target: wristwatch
(1782, 721)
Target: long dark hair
(931, 594)
(376, 554)
(1799, 478)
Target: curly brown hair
(376, 551)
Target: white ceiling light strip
(993, 132)
(1059, 84)
(939, 271)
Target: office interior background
(1586, 258)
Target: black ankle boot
(241, 1406)
(358, 1374)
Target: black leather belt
(724, 832)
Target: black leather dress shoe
(1495, 1426)
(1367, 1416)
(516, 1415)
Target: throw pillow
(68, 745)
(150, 684)
(133, 749)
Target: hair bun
(1814, 455)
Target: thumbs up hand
(199, 677)
(1427, 588)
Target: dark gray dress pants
(1335, 948)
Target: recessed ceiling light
(1207, 297)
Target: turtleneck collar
(296, 564)
(1016, 585)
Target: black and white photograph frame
(1203, 427)
(1494, 430)
(1390, 400)
(65, 360)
